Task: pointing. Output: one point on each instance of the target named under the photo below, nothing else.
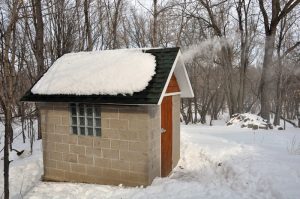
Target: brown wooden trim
(166, 137)
(173, 85)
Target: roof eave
(30, 97)
(182, 77)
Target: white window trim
(170, 94)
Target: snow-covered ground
(216, 162)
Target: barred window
(85, 119)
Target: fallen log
(289, 121)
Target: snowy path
(253, 164)
(216, 162)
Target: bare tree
(8, 38)
(219, 22)
(137, 29)
(279, 10)
(38, 48)
(154, 28)
(87, 25)
(113, 12)
(247, 25)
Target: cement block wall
(176, 129)
(154, 141)
(128, 151)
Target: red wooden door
(166, 137)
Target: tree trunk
(226, 54)
(266, 77)
(271, 20)
(7, 92)
(154, 31)
(189, 111)
(243, 69)
(182, 111)
(195, 109)
(115, 24)
(39, 36)
(277, 114)
(278, 100)
(8, 135)
(203, 116)
(87, 25)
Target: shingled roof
(168, 61)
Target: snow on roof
(109, 72)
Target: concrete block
(120, 145)
(94, 152)
(101, 162)
(55, 156)
(85, 140)
(53, 138)
(74, 177)
(120, 164)
(70, 139)
(118, 124)
(112, 154)
(65, 120)
(105, 123)
(78, 168)
(129, 135)
(70, 157)
(109, 112)
(48, 146)
(53, 120)
(137, 124)
(111, 174)
(50, 128)
(94, 171)
(59, 129)
(110, 134)
(50, 163)
(63, 166)
(77, 149)
(133, 156)
(139, 167)
(59, 147)
(54, 173)
(138, 146)
(85, 160)
(101, 143)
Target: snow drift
(109, 72)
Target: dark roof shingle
(150, 95)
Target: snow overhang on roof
(108, 72)
(167, 62)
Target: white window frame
(96, 129)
